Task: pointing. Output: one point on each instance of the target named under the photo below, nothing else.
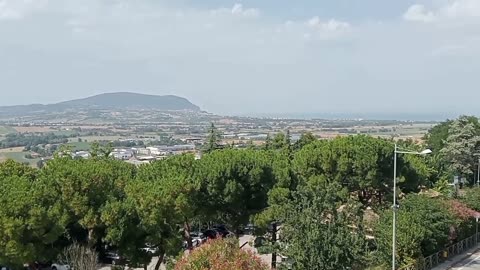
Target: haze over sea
(370, 116)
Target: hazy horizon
(413, 57)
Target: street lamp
(478, 173)
(395, 206)
(476, 228)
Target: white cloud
(153, 47)
(418, 13)
(237, 10)
(330, 25)
(462, 9)
(17, 9)
(454, 10)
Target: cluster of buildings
(138, 156)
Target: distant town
(141, 136)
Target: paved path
(470, 263)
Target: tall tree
(213, 139)
(461, 145)
(361, 163)
(84, 187)
(234, 184)
(321, 229)
(164, 197)
(305, 139)
(30, 223)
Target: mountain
(120, 100)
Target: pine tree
(213, 139)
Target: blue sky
(247, 57)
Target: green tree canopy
(423, 227)
(29, 223)
(461, 145)
(322, 229)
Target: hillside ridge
(114, 100)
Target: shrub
(220, 254)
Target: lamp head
(426, 152)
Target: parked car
(150, 249)
(196, 242)
(249, 229)
(41, 265)
(210, 234)
(222, 230)
(198, 235)
(112, 257)
(59, 266)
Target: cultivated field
(12, 150)
(17, 154)
(33, 129)
(7, 130)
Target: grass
(97, 138)
(64, 132)
(12, 149)
(19, 157)
(80, 146)
(7, 130)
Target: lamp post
(476, 229)
(478, 173)
(395, 206)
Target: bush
(220, 254)
(79, 257)
(472, 198)
(423, 227)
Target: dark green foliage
(454, 144)
(305, 139)
(235, 184)
(213, 139)
(322, 230)
(436, 136)
(30, 140)
(318, 189)
(30, 222)
(362, 164)
(423, 227)
(461, 145)
(472, 198)
(85, 187)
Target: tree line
(332, 199)
(30, 140)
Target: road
(470, 263)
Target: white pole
(478, 173)
(476, 230)
(394, 206)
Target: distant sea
(365, 116)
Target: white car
(58, 266)
(151, 250)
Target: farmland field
(80, 146)
(96, 138)
(7, 130)
(11, 150)
(18, 156)
(33, 129)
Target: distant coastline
(430, 117)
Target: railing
(448, 253)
